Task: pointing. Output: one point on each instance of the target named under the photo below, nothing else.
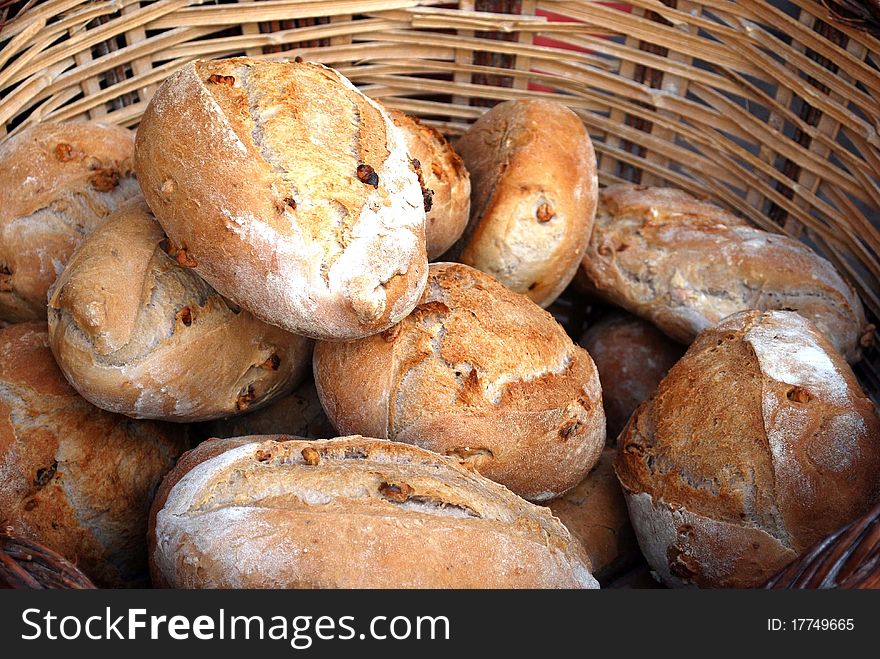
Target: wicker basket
(769, 108)
(27, 564)
(848, 558)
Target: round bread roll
(444, 174)
(136, 333)
(72, 477)
(288, 191)
(632, 356)
(476, 372)
(59, 182)
(353, 512)
(758, 443)
(685, 264)
(595, 514)
(533, 197)
(299, 414)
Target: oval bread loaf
(353, 512)
(444, 174)
(533, 196)
(72, 477)
(477, 372)
(757, 444)
(595, 514)
(632, 356)
(288, 191)
(136, 333)
(60, 181)
(684, 265)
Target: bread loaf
(632, 356)
(299, 414)
(288, 191)
(594, 512)
(281, 512)
(137, 333)
(476, 372)
(60, 181)
(72, 477)
(444, 174)
(758, 443)
(684, 265)
(533, 198)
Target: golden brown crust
(476, 372)
(684, 265)
(533, 198)
(60, 181)
(445, 176)
(759, 434)
(72, 477)
(289, 191)
(352, 512)
(595, 514)
(138, 334)
(632, 356)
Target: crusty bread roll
(59, 182)
(299, 414)
(72, 477)
(136, 333)
(685, 264)
(444, 174)
(632, 356)
(353, 512)
(533, 198)
(758, 443)
(289, 191)
(595, 514)
(476, 372)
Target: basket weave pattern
(27, 564)
(770, 110)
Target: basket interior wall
(768, 108)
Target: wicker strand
(769, 108)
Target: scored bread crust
(445, 175)
(685, 264)
(72, 477)
(60, 181)
(352, 512)
(757, 444)
(533, 200)
(252, 169)
(477, 372)
(632, 356)
(136, 333)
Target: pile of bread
(270, 223)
